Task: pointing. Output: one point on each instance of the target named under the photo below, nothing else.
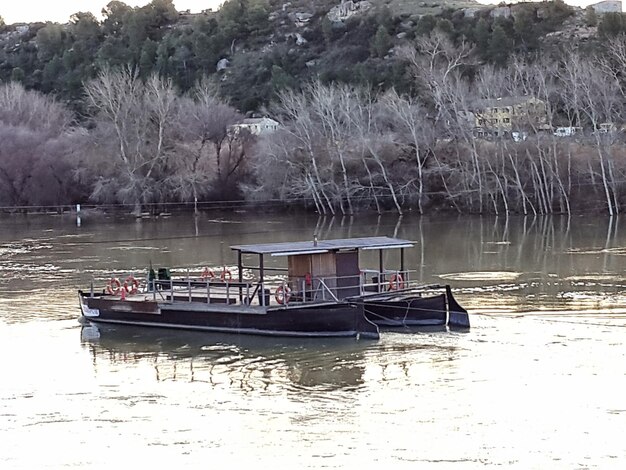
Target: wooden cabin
(327, 265)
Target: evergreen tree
(611, 25)
(381, 43)
(525, 31)
(17, 75)
(482, 36)
(500, 45)
(591, 17)
(425, 25)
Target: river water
(538, 382)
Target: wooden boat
(323, 292)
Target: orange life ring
(226, 275)
(396, 282)
(282, 294)
(113, 286)
(207, 274)
(131, 285)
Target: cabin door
(348, 274)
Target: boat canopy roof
(323, 246)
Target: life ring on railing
(131, 285)
(207, 274)
(226, 275)
(113, 286)
(282, 294)
(396, 282)
(308, 280)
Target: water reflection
(537, 383)
(244, 361)
(495, 264)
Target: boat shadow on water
(245, 361)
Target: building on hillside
(608, 6)
(502, 117)
(256, 126)
(567, 131)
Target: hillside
(255, 48)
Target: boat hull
(434, 310)
(321, 320)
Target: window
(506, 120)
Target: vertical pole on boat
(381, 268)
(239, 270)
(78, 215)
(189, 284)
(261, 272)
(402, 265)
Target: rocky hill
(255, 48)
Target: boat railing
(206, 291)
(292, 291)
(303, 290)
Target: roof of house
(257, 120)
(504, 101)
(324, 246)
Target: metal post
(240, 269)
(189, 284)
(171, 290)
(261, 274)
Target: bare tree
(593, 93)
(305, 132)
(412, 121)
(201, 129)
(37, 155)
(439, 65)
(138, 119)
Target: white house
(256, 126)
(567, 131)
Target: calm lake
(539, 382)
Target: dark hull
(410, 312)
(441, 309)
(322, 320)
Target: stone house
(501, 117)
(256, 126)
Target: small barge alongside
(323, 292)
